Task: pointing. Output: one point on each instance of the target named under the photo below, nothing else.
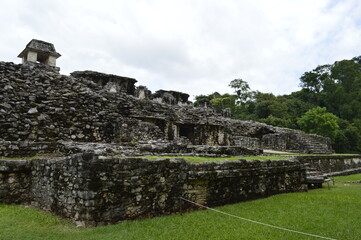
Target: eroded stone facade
(38, 104)
(93, 190)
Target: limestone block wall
(15, 180)
(248, 142)
(40, 105)
(331, 163)
(25, 148)
(60, 185)
(93, 190)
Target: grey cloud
(192, 46)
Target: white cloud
(196, 47)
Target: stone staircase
(297, 142)
(314, 144)
(315, 178)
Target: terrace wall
(26, 148)
(334, 164)
(93, 190)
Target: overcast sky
(192, 46)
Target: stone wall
(40, 105)
(37, 104)
(26, 148)
(61, 185)
(109, 82)
(15, 181)
(331, 163)
(170, 97)
(93, 190)
(248, 142)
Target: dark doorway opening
(187, 130)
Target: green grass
(349, 178)
(332, 213)
(218, 159)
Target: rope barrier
(253, 221)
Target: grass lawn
(331, 213)
(349, 178)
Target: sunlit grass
(349, 178)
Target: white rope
(249, 220)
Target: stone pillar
(51, 61)
(32, 56)
(175, 131)
(142, 92)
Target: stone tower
(41, 52)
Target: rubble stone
(40, 105)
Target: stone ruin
(43, 111)
(41, 107)
(89, 119)
(39, 51)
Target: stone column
(51, 61)
(32, 56)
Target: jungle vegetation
(328, 104)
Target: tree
(336, 86)
(224, 101)
(317, 120)
(242, 90)
(345, 73)
(276, 121)
(340, 143)
(314, 80)
(209, 97)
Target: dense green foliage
(317, 120)
(330, 213)
(329, 104)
